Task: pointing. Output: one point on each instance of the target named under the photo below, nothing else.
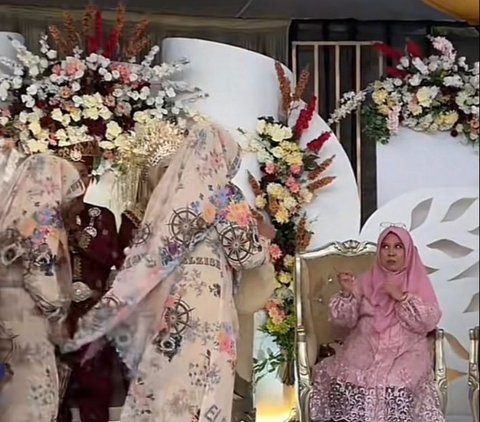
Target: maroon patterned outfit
(131, 220)
(94, 250)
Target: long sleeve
(244, 248)
(131, 221)
(418, 316)
(47, 275)
(238, 235)
(343, 311)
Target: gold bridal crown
(155, 142)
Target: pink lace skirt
(335, 398)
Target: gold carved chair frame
(473, 382)
(315, 283)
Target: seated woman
(383, 372)
(170, 311)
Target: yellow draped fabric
(466, 10)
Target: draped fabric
(269, 37)
(35, 283)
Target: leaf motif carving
(430, 270)
(453, 375)
(473, 306)
(450, 248)
(457, 347)
(420, 213)
(474, 231)
(458, 208)
(470, 272)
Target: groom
(94, 250)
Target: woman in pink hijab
(384, 370)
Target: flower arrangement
(87, 89)
(427, 94)
(291, 177)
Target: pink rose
(292, 185)
(275, 252)
(296, 170)
(270, 168)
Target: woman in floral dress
(35, 284)
(170, 312)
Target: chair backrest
(316, 284)
(473, 374)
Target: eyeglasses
(386, 225)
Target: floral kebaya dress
(199, 336)
(170, 312)
(35, 285)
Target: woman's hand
(394, 290)
(346, 281)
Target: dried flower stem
(72, 35)
(285, 88)
(301, 85)
(138, 41)
(324, 165)
(257, 190)
(320, 183)
(88, 21)
(304, 236)
(273, 205)
(58, 39)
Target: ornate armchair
(473, 382)
(315, 283)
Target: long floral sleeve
(418, 316)
(343, 310)
(238, 234)
(47, 274)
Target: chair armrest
(440, 367)
(473, 382)
(304, 376)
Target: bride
(170, 312)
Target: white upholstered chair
(315, 284)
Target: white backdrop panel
(418, 160)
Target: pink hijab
(413, 279)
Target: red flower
(96, 128)
(316, 145)
(388, 52)
(396, 73)
(304, 118)
(414, 50)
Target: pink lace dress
(379, 377)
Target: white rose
(113, 130)
(57, 115)
(105, 113)
(35, 128)
(117, 92)
(51, 54)
(17, 82)
(261, 126)
(91, 113)
(32, 89)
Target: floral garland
(426, 94)
(95, 94)
(291, 177)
